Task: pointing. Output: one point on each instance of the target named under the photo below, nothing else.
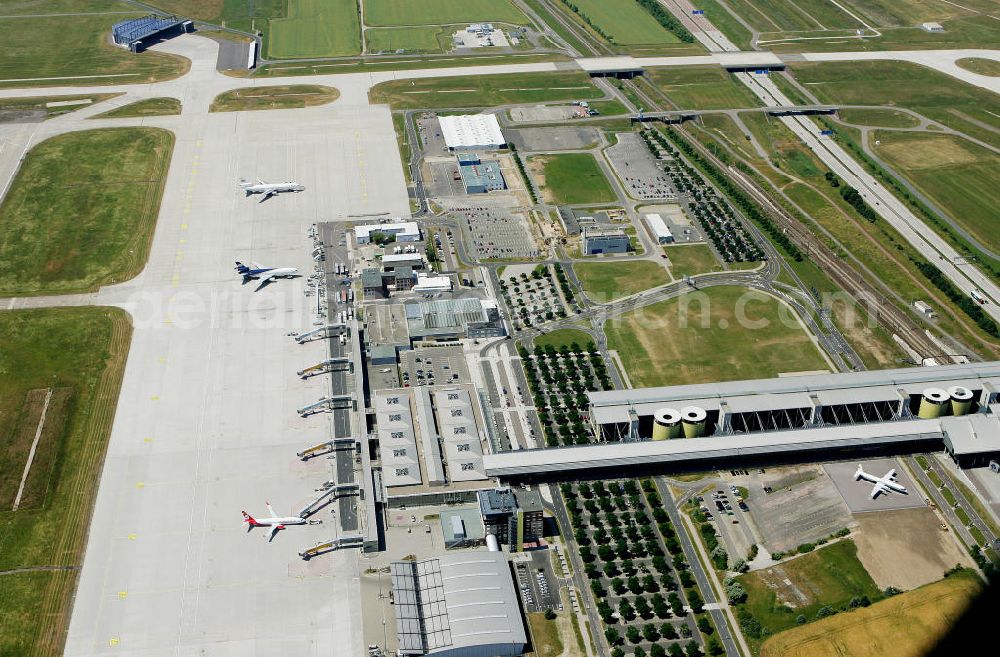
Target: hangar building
(472, 132)
(457, 605)
(136, 33)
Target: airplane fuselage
(272, 188)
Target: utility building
(457, 605)
(605, 240)
(658, 229)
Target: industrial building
(404, 231)
(472, 132)
(136, 33)
(457, 605)
(658, 229)
(453, 319)
(514, 517)
(429, 437)
(392, 261)
(598, 240)
(480, 178)
(952, 407)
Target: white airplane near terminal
(269, 189)
(884, 484)
(257, 272)
(274, 522)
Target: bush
(549, 614)
(705, 625)
(825, 611)
(801, 619)
(736, 593)
(805, 547)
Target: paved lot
(639, 172)
(206, 424)
(435, 366)
(857, 494)
(553, 139)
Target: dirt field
(906, 548)
(906, 625)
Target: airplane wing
(265, 279)
(891, 475)
(878, 489)
(274, 530)
(268, 194)
(271, 510)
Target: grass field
(981, 66)
(387, 13)
(604, 281)
(691, 259)
(80, 352)
(566, 337)
(81, 211)
(416, 39)
(147, 107)
(571, 178)
(625, 22)
(13, 107)
(701, 87)
(878, 118)
(544, 636)
(292, 96)
(829, 576)
(698, 338)
(958, 175)
(484, 91)
(41, 46)
(316, 28)
(940, 97)
(905, 625)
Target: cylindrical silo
(491, 543)
(961, 400)
(666, 424)
(932, 404)
(693, 420)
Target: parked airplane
(269, 189)
(264, 274)
(884, 484)
(274, 522)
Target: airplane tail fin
(857, 473)
(249, 519)
(241, 268)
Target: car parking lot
(638, 170)
(539, 588)
(434, 366)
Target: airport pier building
(797, 418)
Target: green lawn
(625, 22)
(484, 90)
(81, 211)
(831, 575)
(981, 66)
(387, 13)
(691, 259)
(938, 96)
(147, 107)
(571, 178)
(316, 28)
(80, 351)
(418, 39)
(604, 281)
(878, 118)
(956, 174)
(700, 338)
(74, 47)
(291, 96)
(44, 104)
(701, 87)
(566, 337)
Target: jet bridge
(328, 446)
(328, 365)
(328, 404)
(330, 490)
(327, 331)
(351, 541)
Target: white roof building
(397, 439)
(427, 283)
(405, 231)
(459, 605)
(659, 229)
(472, 132)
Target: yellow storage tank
(666, 424)
(693, 421)
(933, 404)
(961, 400)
